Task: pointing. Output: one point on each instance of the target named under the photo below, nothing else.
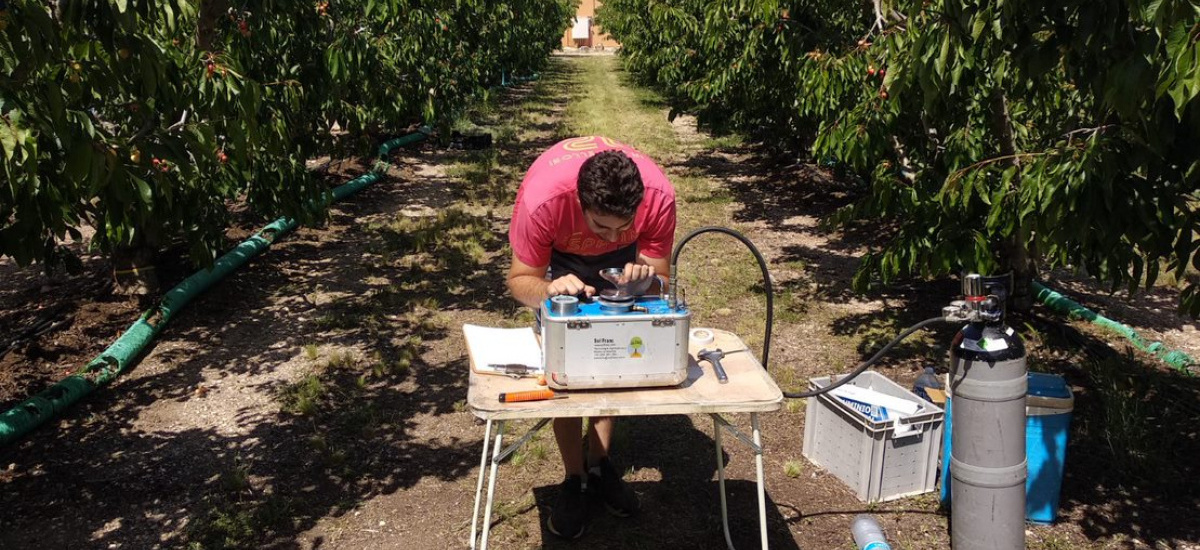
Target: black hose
(762, 264)
(865, 364)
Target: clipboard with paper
(503, 351)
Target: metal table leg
(721, 482)
(491, 492)
(499, 453)
(755, 445)
(487, 440)
(762, 491)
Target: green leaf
(8, 138)
(170, 16)
(144, 190)
(1151, 273)
(943, 56)
(980, 23)
(79, 160)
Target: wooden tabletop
(750, 389)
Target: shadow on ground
(683, 509)
(94, 479)
(1132, 425)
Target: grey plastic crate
(865, 454)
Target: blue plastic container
(1048, 411)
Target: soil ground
(316, 398)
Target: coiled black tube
(762, 264)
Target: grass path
(669, 458)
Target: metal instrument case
(596, 349)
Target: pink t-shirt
(548, 215)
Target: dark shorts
(587, 268)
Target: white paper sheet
(490, 346)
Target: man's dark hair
(610, 184)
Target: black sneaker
(567, 518)
(618, 499)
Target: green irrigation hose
(1074, 310)
(123, 353)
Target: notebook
(504, 351)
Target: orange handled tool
(532, 395)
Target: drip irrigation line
(38, 328)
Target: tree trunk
(1017, 254)
(211, 12)
(133, 271)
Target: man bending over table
(587, 204)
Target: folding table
(750, 390)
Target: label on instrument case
(606, 350)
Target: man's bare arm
(660, 267)
(529, 286)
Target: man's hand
(569, 285)
(638, 277)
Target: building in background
(584, 32)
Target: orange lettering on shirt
(581, 144)
(611, 142)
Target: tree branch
(142, 132)
(178, 125)
(1096, 130)
(906, 169)
(958, 174)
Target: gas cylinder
(988, 383)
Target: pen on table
(532, 395)
(512, 369)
